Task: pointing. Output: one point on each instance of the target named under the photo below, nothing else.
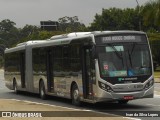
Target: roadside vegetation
(145, 18)
(157, 72)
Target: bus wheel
(75, 96)
(15, 87)
(123, 101)
(42, 91)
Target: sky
(31, 12)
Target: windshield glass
(129, 59)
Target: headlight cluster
(149, 84)
(105, 87)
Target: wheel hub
(75, 95)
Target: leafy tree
(151, 14)
(46, 35)
(6, 25)
(28, 30)
(71, 24)
(8, 32)
(116, 19)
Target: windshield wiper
(130, 60)
(130, 54)
(115, 50)
(134, 44)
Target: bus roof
(66, 38)
(80, 34)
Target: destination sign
(120, 38)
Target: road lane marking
(46, 104)
(65, 107)
(157, 91)
(153, 105)
(132, 118)
(156, 96)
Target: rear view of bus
(124, 66)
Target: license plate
(128, 97)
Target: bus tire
(15, 86)
(123, 101)
(75, 96)
(42, 91)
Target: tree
(116, 19)
(108, 20)
(27, 30)
(6, 25)
(71, 24)
(151, 14)
(8, 32)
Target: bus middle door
(22, 69)
(49, 66)
(87, 75)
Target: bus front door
(49, 67)
(87, 76)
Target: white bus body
(90, 66)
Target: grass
(157, 72)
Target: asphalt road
(151, 105)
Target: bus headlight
(149, 84)
(105, 87)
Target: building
(49, 25)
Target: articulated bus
(100, 66)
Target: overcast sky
(31, 12)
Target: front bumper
(115, 96)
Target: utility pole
(139, 14)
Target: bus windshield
(124, 59)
